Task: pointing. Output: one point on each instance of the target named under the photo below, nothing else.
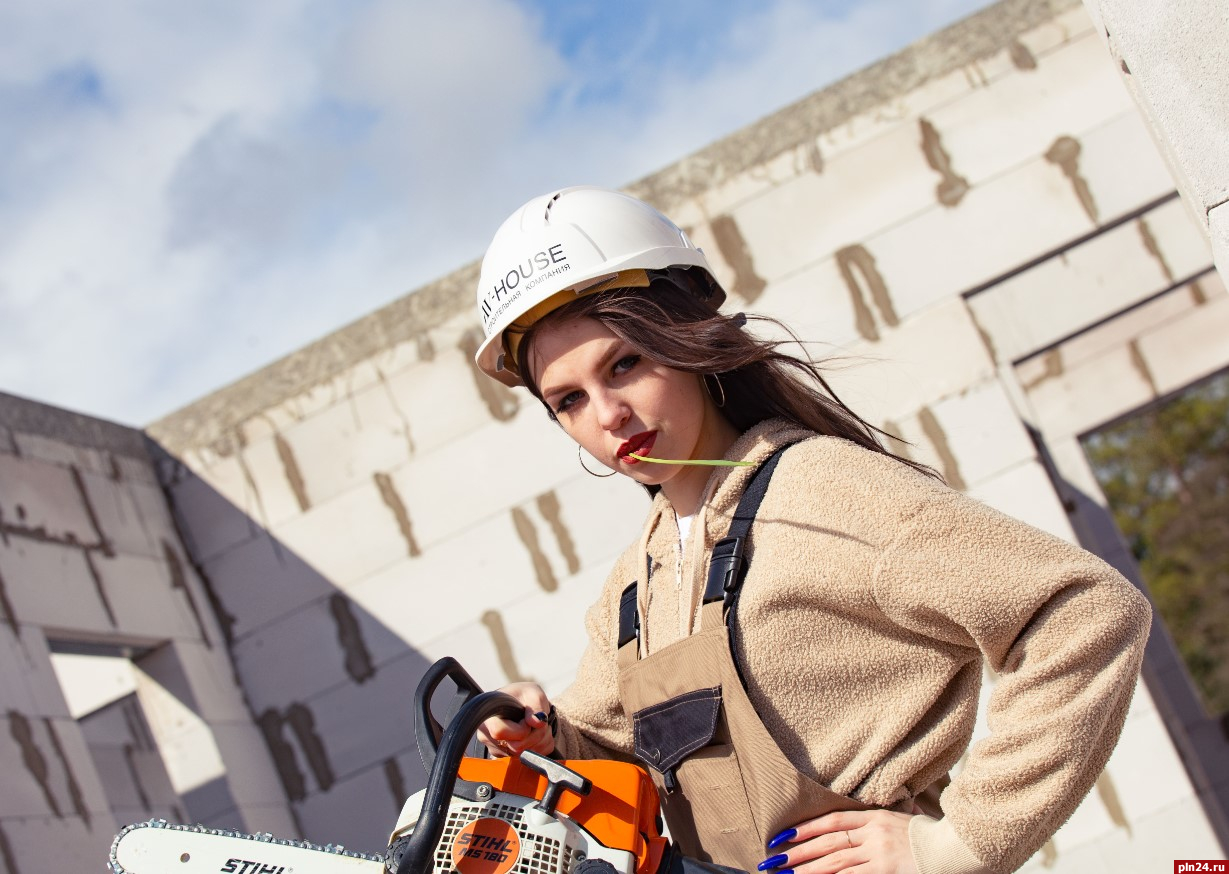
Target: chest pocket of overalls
(669, 732)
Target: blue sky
(192, 190)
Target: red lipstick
(641, 444)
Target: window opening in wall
(1165, 473)
(100, 683)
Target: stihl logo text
(486, 846)
(483, 847)
(245, 866)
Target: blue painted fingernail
(541, 716)
(786, 871)
(772, 862)
(788, 835)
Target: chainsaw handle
(447, 749)
(427, 729)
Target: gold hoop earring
(581, 459)
(720, 389)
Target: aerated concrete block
(271, 465)
(119, 518)
(546, 631)
(250, 774)
(933, 355)
(1174, 55)
(261, 580)
(453, 582)
(480, 648)
(1146, 770)
(342, 445)
(1091, 393)
(45, 500)
(1180, 831)
(118, 772)
(28, 683)
(980, 431)
(818, 305)
(212, 521)
(347, 645)
(1071, 90)
(1117, 333)
(361, 726)
(601, 517)
(861, 192)
(139, 592)
(48, 843)
(355, 534)
(1089, 283)
(438, 399)
(52, 451)
(1122, 166)
(48, 769)
(1025, 492)
(482, 474)
(150, 503)
(354, 813)
(1109, 170)
(51, 585)
(1188, 348)
(134, 470)
(208, 680)
(854, 133)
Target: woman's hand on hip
(503, 737)
(868, 841)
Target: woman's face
(613, 400)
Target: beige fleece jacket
(873, 597)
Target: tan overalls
(725, 785)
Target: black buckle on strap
(725, 569)
(629, 617)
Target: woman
(799, 707)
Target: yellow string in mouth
(697, 461)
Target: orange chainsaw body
(620, 811)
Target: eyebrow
(602, 363)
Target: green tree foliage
(1165, 472)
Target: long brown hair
(673, 324)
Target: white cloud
(191, 190)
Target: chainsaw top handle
(442, 749)
(427, 729)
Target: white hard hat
(576, 240)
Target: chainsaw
(525, 815)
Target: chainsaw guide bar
(160, 847)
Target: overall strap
(629, 621)
(727, 565)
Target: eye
(623, 365)
(568, 401)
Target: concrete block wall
(981, 229)
(91, 561)
(1172, 58)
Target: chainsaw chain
(262, 837)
